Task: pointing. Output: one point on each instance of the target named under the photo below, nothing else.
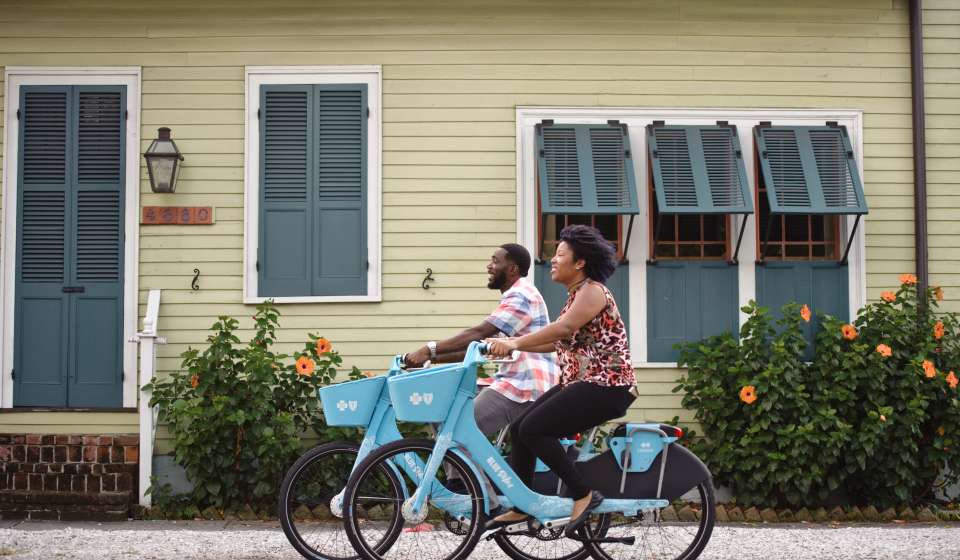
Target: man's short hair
(519, 256)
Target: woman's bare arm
(589, 303)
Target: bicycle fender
(684, 470)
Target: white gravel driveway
(221, 540)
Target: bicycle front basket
(351, 403)
(424, 396)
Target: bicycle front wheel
(447, 527)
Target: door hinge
(258, 266)
(126, 115)
(368, 265)
(368, 112)
(13, 374)
(258, 114)
(18, 114)
(123, 376)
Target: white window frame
(636, 120)
(15, 77)
(256, 76)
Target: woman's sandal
(570, 531)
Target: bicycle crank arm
(613, 540)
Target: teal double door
(68, 314)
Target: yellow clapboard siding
(453, 74)
(98, 423)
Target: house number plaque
(177, 215)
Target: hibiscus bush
(874, 418)
(236, 413)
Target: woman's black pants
(562, 411)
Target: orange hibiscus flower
(805, 313)
(938, 293)
(369, 374)
(938, 330)
(883, 418)
(888, 297)
(195, 381)
(748, 394)
(908, 279)
(323, 346)
(884, 350)
(952, 380)
(929, 370)
(305, 365)
(849, 332)
(941, 431)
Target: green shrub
(879, 429)
(236, 413)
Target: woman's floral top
(598, 352)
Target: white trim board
(636, 119)
(256, 76)
(17, 76)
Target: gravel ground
(240, 541)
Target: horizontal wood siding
(453, 74)
(941, 31)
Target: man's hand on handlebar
(500, 347)
(417, 358)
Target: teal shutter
(313, 190)
(97, 312)
(809, 170)
(41, 317)
(698, 170)
(340, 230)
(822, 285)
(555, 295)
(68, 303)
(688, 300)
(586, 169)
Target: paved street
(221, 540)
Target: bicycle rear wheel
(309, 503)
(656, 538)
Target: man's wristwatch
(432, 346)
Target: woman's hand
(500, 347)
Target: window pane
(690, 250)
(817, 227)
(819, 251)
(713, 250)
(774, 251)
(666, 228)
(668, 250)
(797, 228)
(714, 227)
(794, 251)
(689, 228)
(608, 227)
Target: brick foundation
(68, 476)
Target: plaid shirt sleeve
(512, 315)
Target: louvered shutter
(97, 312)
(340, 231)
(585, 169)
(809, 170)
(286, 198)
(313, 192)
(41, 311)
(698, 170)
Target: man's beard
(498, 281)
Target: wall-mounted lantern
(163, 162)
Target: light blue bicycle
(310, 497)
(632, 473)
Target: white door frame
(15, 77)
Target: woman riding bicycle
(596, 372)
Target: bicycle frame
(459, 430)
